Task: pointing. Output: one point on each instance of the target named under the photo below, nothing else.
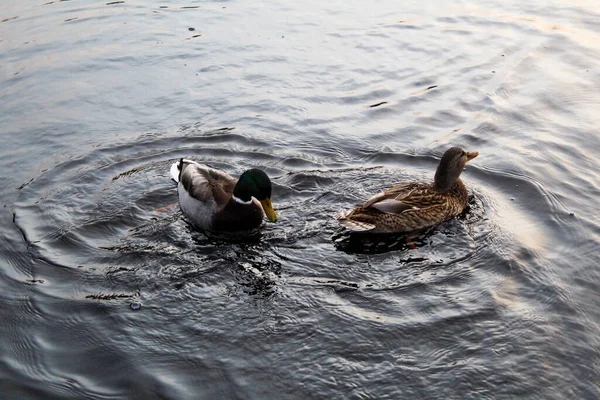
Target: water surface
(97, 99)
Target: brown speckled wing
(409, 196)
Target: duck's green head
(451, 165)
(255, 183)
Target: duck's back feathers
(206, 184)
(405, 207)
(205, 197)
(406, 197)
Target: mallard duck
(214, 201)
(410, 207)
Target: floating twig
(378, 104)
(108, 296)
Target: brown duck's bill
(471, 155)
(268, 209)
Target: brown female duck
(409, 207)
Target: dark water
(97, 100)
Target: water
(106, 291)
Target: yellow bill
(268, 209)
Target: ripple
(107, 216)
(99, 101)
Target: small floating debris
(195, 36)
(114, 2)
(378, 104)
(8, 19)
(423, 90)
(339, 286)
(114, 270)
(191, 29)
(70, 19)
(25, 184)
(135, 305)
(572, 214)
(108, 296)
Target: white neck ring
(240, 201)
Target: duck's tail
(176, 170)
(356, 226)
(353, 225)
(178, 166)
